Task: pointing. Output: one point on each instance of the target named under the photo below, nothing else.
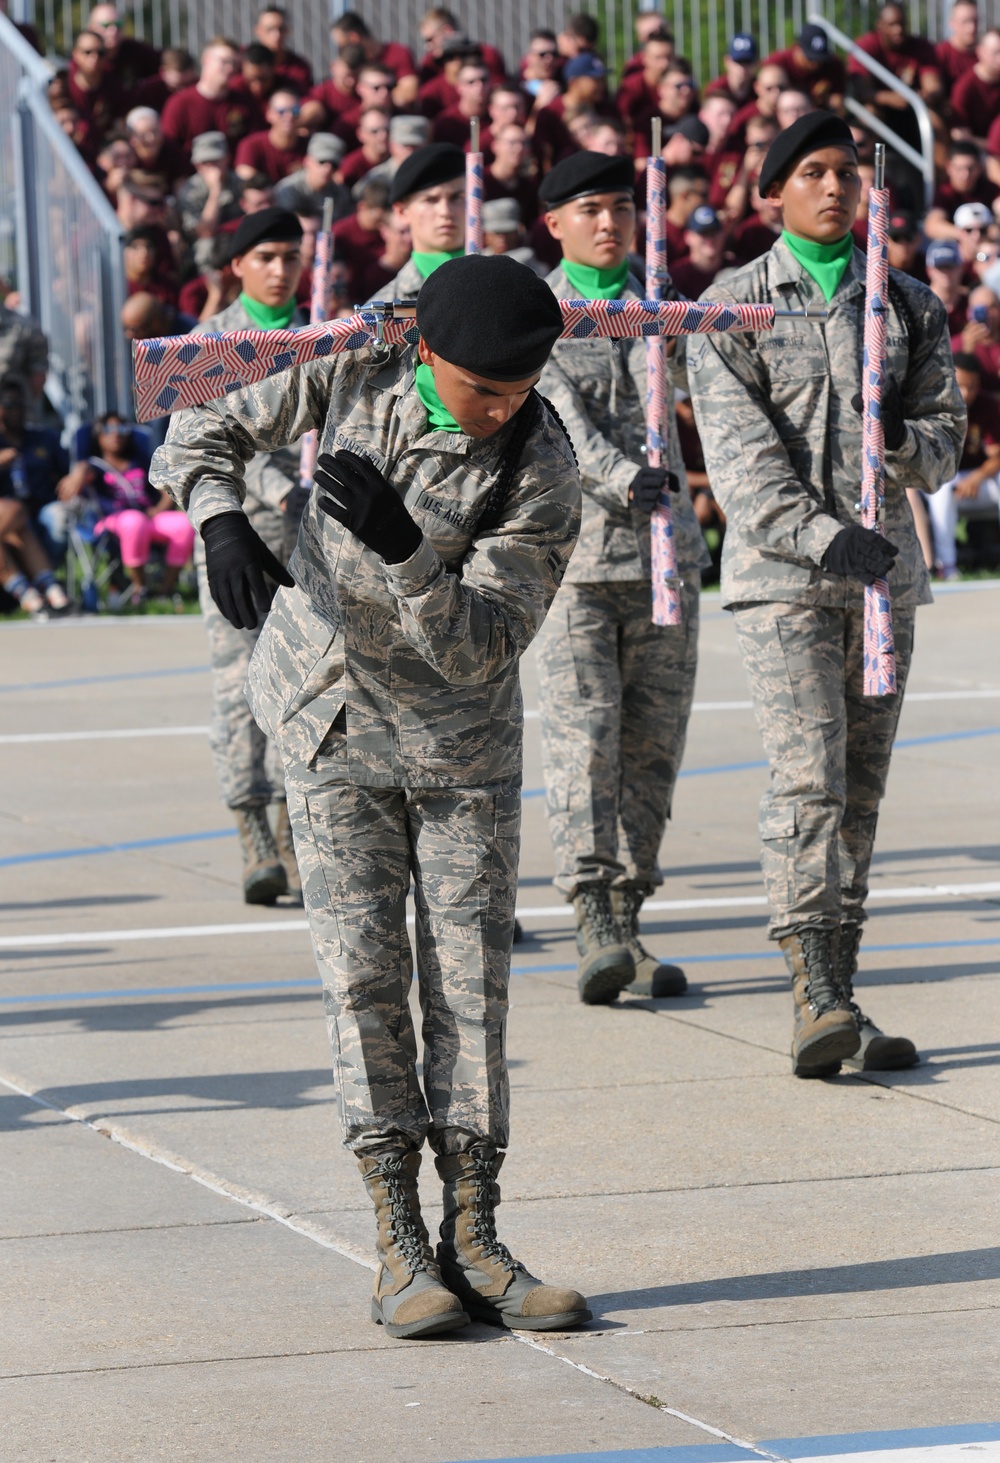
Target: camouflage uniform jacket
(406, 285)
(598, 387)
(782, 439)
(271, 475)
(423, 654)
(24, 351)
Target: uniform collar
(785, 269)
(558, 282)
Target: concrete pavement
(782, 1263)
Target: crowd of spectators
(185, 148)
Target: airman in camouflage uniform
(388, 677)
(427, 192)
(615, 689)
(782, 432)
(247, 763)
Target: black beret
(807, 134)
(438, 162)
(586, 172)
(490, 315)
(691, 127)
(271, 225)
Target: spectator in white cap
(503, 233)
(306, 190)
(971, 222)
(212, 197)
(155, 153)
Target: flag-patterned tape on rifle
(474, 193)
(319, 310)
(177, 371)
(663, 546)
(879, 645)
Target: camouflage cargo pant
(616, 693)
(829, 748)
(247, 764)
(358, 849)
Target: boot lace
(484, 1225)
(407, 1230)
(847, 966)
(597, 912)
(822, 989)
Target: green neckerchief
(596, 284)
(427, 263)
(439, 418)
(268, 317)
(825, 263)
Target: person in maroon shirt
(755, 235)
(980, 335)
(975, 102)
(272, 30)
(338, 94)
(210, 105)
(506, 176)
(374, 90)
(705, 242)
(957, 54)
(258, 75)
(129, 60)
(507, 106)
(676, 96)
(904, 245)
(645, 23)
(440, 91)
(734, 194)
(96, 95)
(357, 240)
(454, 123)
(963, 183)
(439, 30)
(911, 60)
(350, 29)
(144, 272)
(278, 151)
(396, 249)
(373, 135)
(541, 67)
(945, 268)
(812, 67)
(740, 62)
(155, 153)
(769, 83)
(638, 91)
(976, 484)
(687, 190)
(177, 70)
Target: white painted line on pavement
(525, 911)
(115, 734)
(123, 733)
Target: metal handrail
(923, 161)
(33, 65)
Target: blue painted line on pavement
(528, 792)
(830, 1445)
(227, 987)
(182, 670)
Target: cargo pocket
(778, 848)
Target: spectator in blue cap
(705, 240)
(812, 67)
(945, 268)
(740, 68)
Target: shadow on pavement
(146, 1015)
(957, 1268)
(83, 902)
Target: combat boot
(491, 1284)
(264, 876)
(606, 967)
(877, 1052)
(286, 851)
(652, 976)
(824, 1030)
(410, 1298)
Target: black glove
(236, 560)
(893, 416)
(360, 498)
(647, 485)
(860, 553)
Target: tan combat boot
(606, 967)
(410, 1298)
(824, 1030)
(491, 1284)
(877, 1052)
(652, 976)
(286, 851)
(264, 876)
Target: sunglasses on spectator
(93, 51)
(545, 55)
(682, 85)
(287, 111)
(972, 229)
(109, 25)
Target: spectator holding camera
(980, 337)
(977, 482)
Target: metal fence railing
(63, 241)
